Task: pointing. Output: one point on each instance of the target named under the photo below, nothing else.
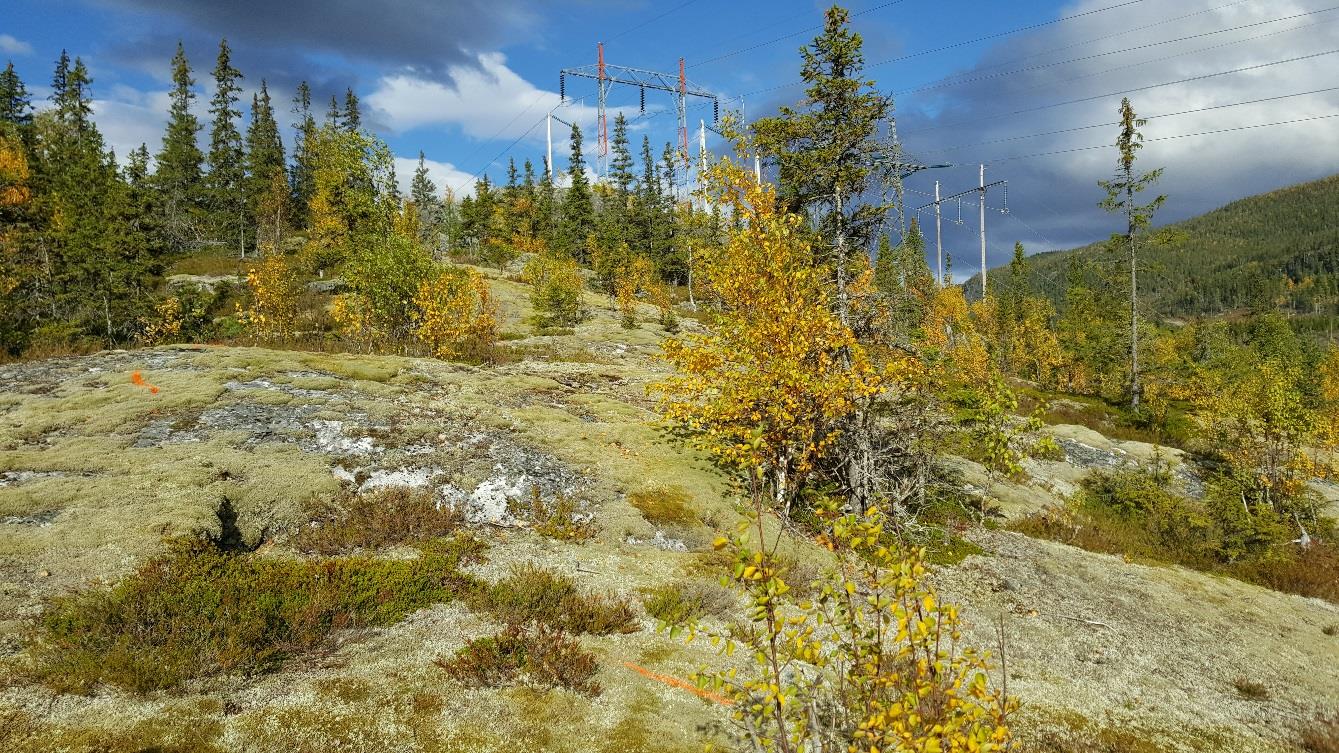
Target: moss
(951, 552)
(178, 728)
(663, 505)
(533, 594)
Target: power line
(1168, 138)
(1091, 98)
(964, 43)
(793, 34)
(1112, 123)
(943, 83)
(1102, 38)
(650, 21)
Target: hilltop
(97, 471)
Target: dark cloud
(427, 36)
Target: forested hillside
(1278, 250)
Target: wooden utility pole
(981, 207)
(939, 240)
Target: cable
(1112, 123)
(964, 43)
(1102, 38)
(807, 30)
(1167, 138)
(941, 83)
(649, 21)
(1201, 77)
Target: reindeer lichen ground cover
(98, 474)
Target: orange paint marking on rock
(675, 682)
(137, 379)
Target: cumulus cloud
(485, 99)
(443, 174)
(11, 46)
(994, 110)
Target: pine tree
(225, 185)
(352, 119)
(1121, 193)
(178, 172)
(265, 166)
(578, 210)
(15, 102)
(304, 131)
(423, 192)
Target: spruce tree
(1122, 191)
(546, 206)
(423, 192)
(304, 131)
(15, 102)
(578, 210)
(620, 167)
(178, 173)
(225, 184)
(352, 118)
(333, 116)
(265, 166)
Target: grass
(663, 505)
(548, 658)
(533, 594)
(384, 517)
(198, 611)
(560, 518)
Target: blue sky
(465, 80)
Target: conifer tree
(578, 211)
(1121, 197)
(423, 192)
(225, 184)
(15, 101)
(546, 206)
(352, 118)
(620, 167)
(265, 166)
(333, 116)
(304, 131)
(178, 173)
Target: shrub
(455, 315)
(1250, 689)
(560, 518)
(556, 290)
(678, 603)
(275, 289)
(547, 657)
(385, 517)
(663, 505)
(1322, 736)
(197, 611)
(533, 594)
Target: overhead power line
(966, 42)
(1168, 138)
(650, 21)
(944, 83)
(1132, 90)
(793, 34)
(1115, 122)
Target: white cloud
(11, 46)
(444, 174)
(131, 118)
(487, 101)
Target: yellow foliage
(165, 324)
(456, 317)
(767, 389)
(636, 277)
(556, 289)
(14, 173)
(274, 292)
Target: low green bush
(548, 658)
(679, 603)
(197, 611)
(532, 594)
(380, 518)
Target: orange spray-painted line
(675, 682)
(137, 379)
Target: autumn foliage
(455, 314)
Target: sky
(1241, 95)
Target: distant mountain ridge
(1279, 248)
